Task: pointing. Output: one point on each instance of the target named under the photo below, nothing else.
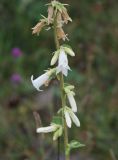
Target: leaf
(75, 144)
(57, 120)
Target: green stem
(62, 92)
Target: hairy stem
(62, 92)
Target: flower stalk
(62, 92)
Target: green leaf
(75, 144)
(57, 120)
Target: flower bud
(38, 27)
(70, 116)
(69, 51)
(58, 133)
(75, 119)
(48, 129)
(72, 102)
(67, 118)
(70, 87)
(59, 20)
(50, 14)
(55, 57)
(61, 34)
(66, 16)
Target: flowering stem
(62, 92)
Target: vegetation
(93, 37)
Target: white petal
(63, 57)
(72, 102)
(75, 119)
(58, 69)
(38, 82)
(46, 129)
(65, 71)
(63, 63)
(68, 120)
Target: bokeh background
(93, 36)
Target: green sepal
(75, 144)
(66, 45)
(58, 133)
(57, 120)
(58, 77)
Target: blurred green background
(93, 36)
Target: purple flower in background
(16, 52)
(16, 78)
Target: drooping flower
(50, 14)
(70, 94)
(61, 34)
(63, 63)
(68, 120)
(57, 129)
(48, 129)
(38, 27)
(59, 20)
(59, 7)
(41, 80)
(72, 102)
(70, 116)
(75, 119)
(16, 52)
(66, 16)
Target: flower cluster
(60, 55)
(57, 9)
(57, 17)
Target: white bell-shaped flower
(75, 119)
(70, 116)
(38, 82)
(48, 129)
(72, 102)
(70, 94)
(68, 120)
(63, 63)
